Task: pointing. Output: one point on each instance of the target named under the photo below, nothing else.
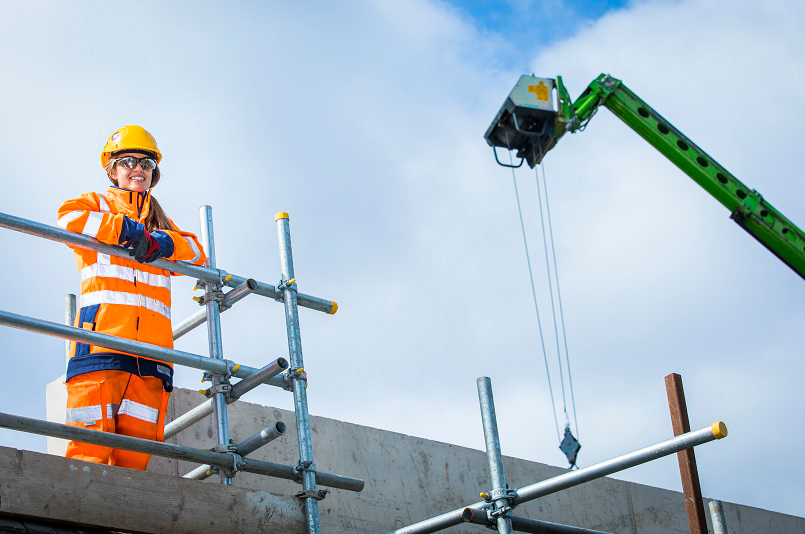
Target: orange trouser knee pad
(117, 402)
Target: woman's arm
(89, 215)
(185, 246)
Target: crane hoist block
(526, 121)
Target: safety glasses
(130, 162)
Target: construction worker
(108, 390)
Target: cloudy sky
(364, 120)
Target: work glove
(152, 246)
(145, 246)
(130, 232)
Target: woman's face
(135, 179)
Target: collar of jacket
(131, 203)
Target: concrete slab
(56, 489)
(409, 479)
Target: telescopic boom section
(748, 208)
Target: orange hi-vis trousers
(117, 402)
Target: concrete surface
(409, 479)
(80, 493)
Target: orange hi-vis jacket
(122, 297)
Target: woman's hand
(152, 246)
(145, 246)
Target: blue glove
(145, 247)
(160, 245)
(131, 232)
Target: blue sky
(525, 26)
(364, 120)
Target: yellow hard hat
(130, 138)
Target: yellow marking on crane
(540, 91)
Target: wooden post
(687, 460)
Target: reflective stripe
(111, 410)
(93, 224)
(107, 271)
(104, 204)
(138, 411)
(124, 273)
(84, 414)
(66, 219)
(105, 296)
(193, 245)
(153, 279)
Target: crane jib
(532, 128)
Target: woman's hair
(157, 218)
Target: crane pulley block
(526, 123)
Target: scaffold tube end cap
(334, 308)
(719, 430)
(281, 215)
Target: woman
(109, 390)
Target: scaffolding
(495, 510)
(225, 458)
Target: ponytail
(157, 218)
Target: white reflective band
(107, 271)
(138, 411)
(124, 273)
(153, 279)
(156, 306)
(194, 247)
(66, 219)
(84, 414)
(93, 224)
(111, 410)
(104, 204)
(105, 296)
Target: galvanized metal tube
(156, 352)
(189, 418)
(202, 273)
(200, 317)
(299, 386)
(499, 496)
(535, 526)
(244, 448)
(522, 524)
(247, 384)
(204, 409)
(574, 478)
(69, 320)
(717, 517)
(168, 450)
(215, 338)
(267, 435)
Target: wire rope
(533, 290)
(550, 291)
(559, 295)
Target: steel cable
(558, 294)
(550, 291)
(533, 291)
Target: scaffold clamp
(318, 494)
(503, 511)
(238, 463)
(304, 467)
(287, 284)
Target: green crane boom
(528, 124)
